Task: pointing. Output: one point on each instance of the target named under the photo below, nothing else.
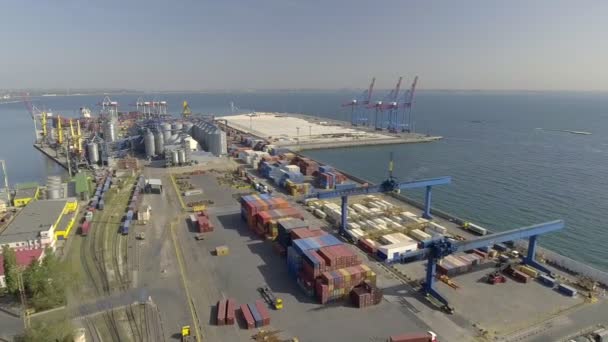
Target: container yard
(218, 228)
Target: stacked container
(366, 295)
(296, 251)
(266, 221)
(253, 204)
(285, 226)
(202, 223)
(338, 284)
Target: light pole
(309, 132)
(298, 129)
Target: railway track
(94, 257)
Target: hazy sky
(269, 44)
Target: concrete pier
(51, 154)
(300, 132)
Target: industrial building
(25, 193)
(40, 224)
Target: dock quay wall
(355, 143)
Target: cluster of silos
(210, 137)
(54, 187)
(93, 152)
(176, 155)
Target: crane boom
(369, 91)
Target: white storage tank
(165, 127)
(181, 156)
(149, 144)
(159, 143)
(174, 157)
(54, 187)
(109, 131)
(93, 152)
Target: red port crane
(364, 98)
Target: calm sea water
(506, 172)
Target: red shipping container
(230, 307)
(367, 246)
(247, 317)
(85, 227)
(414, 337)
(221, 312)
(481, 253)
(263, 311)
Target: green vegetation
(52, 331)
(11, 272)
(44, 282)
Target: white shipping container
(353, 225)
(403, 238)
(389, 239)
(318, 213)
(439, 229)
(387, 204)
(419, 235)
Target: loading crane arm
(436, 250)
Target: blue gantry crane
(435, 250)
(390, 184)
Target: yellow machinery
(43, 122)
(59, 131)
(186, 111)
(186, 334)
(79, 138)
(444, 278)
(270, 298)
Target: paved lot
(252, 263)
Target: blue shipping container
(345, 186)
(567, 290)
(100, 205)
(500, 247)
(545, 279)
(256, 315)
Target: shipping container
(567, 290)
(221, 312)
(501, 247)
(263, 312)
(125, 227)
(84, 228)
(528, 271)
(547, 280)
(413, 337)
(230, 307)
(259, 322)
(247, 317)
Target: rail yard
(216, 229)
